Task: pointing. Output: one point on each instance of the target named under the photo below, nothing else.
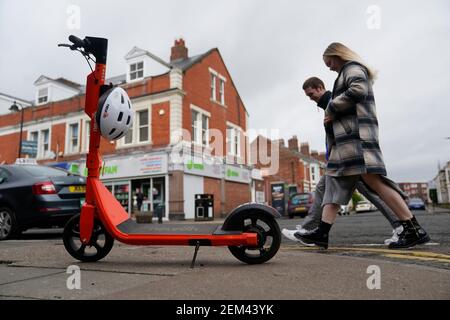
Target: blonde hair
(346, 54)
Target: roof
(185, 64)
(68, 83)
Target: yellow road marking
(405, 254)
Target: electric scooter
(250, 231)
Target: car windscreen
(301, 198)
(40, 171)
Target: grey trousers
(315, 213)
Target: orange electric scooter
(250, 231)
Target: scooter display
(250, 231)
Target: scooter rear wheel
(269, 239)
(99, 246)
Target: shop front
(139, 183)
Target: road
(35, 267)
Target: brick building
(187, 136)
(298, 169)
(415, 190)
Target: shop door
(159, 195)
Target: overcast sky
(270, 48)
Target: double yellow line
(399, 254)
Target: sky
(270, 48)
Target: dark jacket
(354, 143)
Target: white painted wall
(192, 185)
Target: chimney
(281, 142)
(179, 50)
(293, 144)
(304, 148)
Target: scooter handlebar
(77, 42)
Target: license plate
(77, 189)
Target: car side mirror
(2, 180)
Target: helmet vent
(128, 120)
(122, 100)
(120, 117)
(112, 131)
(129, 106)
(117, 137)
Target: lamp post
(15, 108)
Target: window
(200, 127)
(34, 136)
(87, 134)
(44, 143)
(213, 87)
(143, 125)
(42, 95)
(73, 138)
(313, 174)
(222, 91)
(129, 136)
(233, 141)
(137, 70)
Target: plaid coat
(354, 135)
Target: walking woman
(355, 151)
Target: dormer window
(136, 70)
(42, 95)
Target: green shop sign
(232, 173)
(106, 170)
(191, 165)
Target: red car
(300, 203)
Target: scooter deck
(132, 227)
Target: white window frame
(197, 137)
(136, 71)
(222, 81)
(40, 95)
(213, 86)
(139, 126)
(69, 149)
(234, 135)
(40, 147)
(86, 135)
(134, 130)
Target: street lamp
(15, 108)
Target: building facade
(292, 169)
(415, 190)
(187, 136)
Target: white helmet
(114, 114)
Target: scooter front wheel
(269, 239)
(99, 246)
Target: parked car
(300, 203)
(364, 205)
(416, 204)
(37, 196)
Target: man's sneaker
(412, 235)
(316, 237)
(291, 235)
(302, 230)
(395, 233)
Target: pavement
(356, 266)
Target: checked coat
(354, 139)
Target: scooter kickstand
(197, 246)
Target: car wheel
(7, 223)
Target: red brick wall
(9, 147)
(58, 137)
(236, 194)
(160, 124)
(196, 82)
(212, 186)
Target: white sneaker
(290, 234)
(395, 233)
(302, 230)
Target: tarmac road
(35, 267)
